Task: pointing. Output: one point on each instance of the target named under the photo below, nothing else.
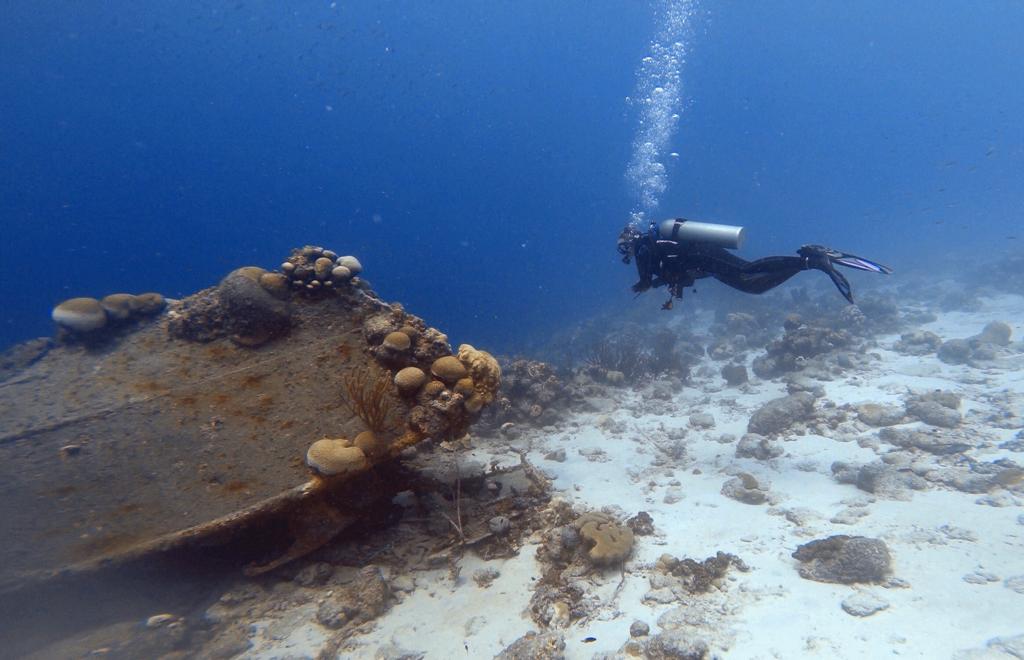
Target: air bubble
(659, 88)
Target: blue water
(473, 154)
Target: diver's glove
(822, 258)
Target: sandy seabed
(957, 585)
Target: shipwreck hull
(143, 441)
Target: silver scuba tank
(680, 229)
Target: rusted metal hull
(147, 441)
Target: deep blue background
(472, 153)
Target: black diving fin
(860, 263)
(823, 258)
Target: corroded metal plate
(117, 449)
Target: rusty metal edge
(166, 542)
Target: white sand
(769, 612)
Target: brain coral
(409, 380)
(119, 306)
(486, 374)
(149, 303)
(351, 263)
(332, 457)
(397, 341)
(449, 369)
(610, 542)
(465, 387)
(80, 314)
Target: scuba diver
(676, 253)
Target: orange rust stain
(252, 380)
(186, 401)
(236, 486)
(151, 386)
(345, 351)
(288, 423)
(220, 398)
(239, 413)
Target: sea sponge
(610, 542)
(410, 380)
(449, 369)
(80, 314)
(119, 306)
(397, 341)
(486, 373)
(332, 457)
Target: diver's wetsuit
(678, 264)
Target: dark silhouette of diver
(676, 253)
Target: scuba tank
(680, 229)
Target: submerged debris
(233, 385)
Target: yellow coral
(332, 457)
(486, 374)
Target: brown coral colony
(253, 306)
